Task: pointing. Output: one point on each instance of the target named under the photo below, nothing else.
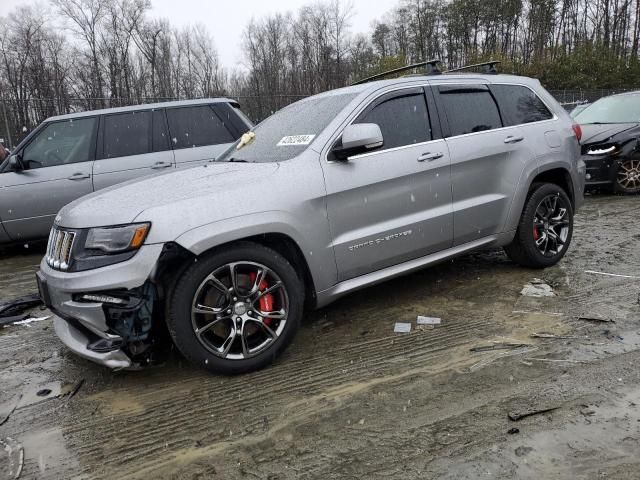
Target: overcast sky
(226, 19)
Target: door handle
(429, 157)
(79, 176)
(511, 139)
(158, 165)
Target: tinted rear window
(127, 134)
(470, 110)
(520, 104)
(196, 127)
(403, 119)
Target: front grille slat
(59, 248)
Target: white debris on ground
(29, 320)
(428, 320)
(537, 288)
(402, 327)
(14, 457)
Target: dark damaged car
(611, 143)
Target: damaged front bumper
(105, 314)
(601, 170)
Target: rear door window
(520, 104)
(401, 116)
(197, 126)
(127, 134)
(469, 109)
(61, 143)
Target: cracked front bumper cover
(87, 327)
(78, 342)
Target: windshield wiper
(237, 160)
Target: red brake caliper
(266, 301)
(536, 234)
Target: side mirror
(15, 163)
(359, 138)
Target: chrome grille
(59, 248)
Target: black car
(611, 142)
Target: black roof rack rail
(487, 67)
(432, 69)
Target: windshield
(616, 109)
(288, 132)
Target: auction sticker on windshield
(295, 140)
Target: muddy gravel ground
(351, 399)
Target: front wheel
(628, 177)
(236, 310)
(545, 228)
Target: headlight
(601, 149)
(117, 239)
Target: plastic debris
(594, 319)
(29, 320)
(537, 288)
(428, 320)
(19, 305)
(402, 327)
(499, 346)
(517, 416)
(15, 453)
(4, 321)
(557, 337)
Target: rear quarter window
(197, 126)
(469, 109)
(520, 104)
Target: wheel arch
(558, 176)
(553, 173)
(273, 232)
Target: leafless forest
(86, 54)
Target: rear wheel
(628, 177)
(236, 310)
(545, 228)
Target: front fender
(318, 253)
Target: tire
(524, 249)
(199, 321)
(627, 179)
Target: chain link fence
(17, 120)
(571, 98)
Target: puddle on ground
(606, 434)
(45, 450)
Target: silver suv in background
(330, 194)
(73, 155)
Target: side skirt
(331, 294)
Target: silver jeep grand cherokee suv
(330, 194)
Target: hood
(599, 133)
(122, 203)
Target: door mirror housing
(359, 138)
(15, 163)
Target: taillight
(578, 131)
